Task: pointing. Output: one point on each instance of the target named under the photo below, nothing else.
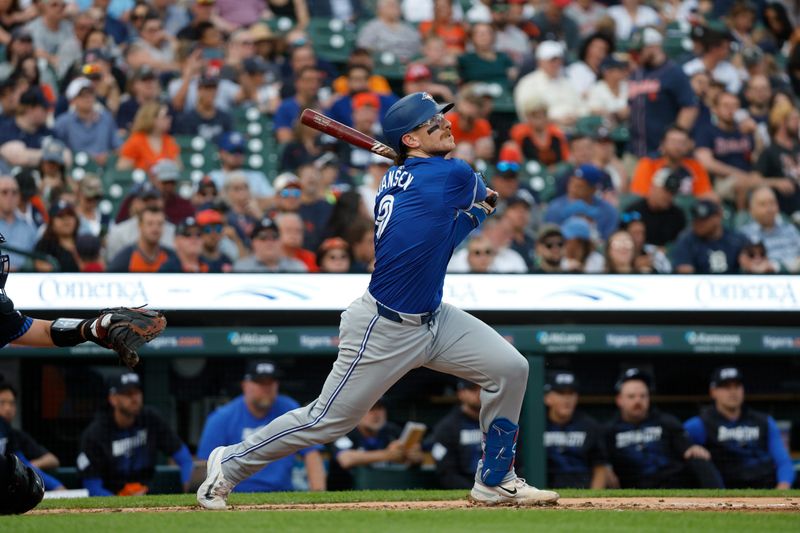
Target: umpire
(745, 444)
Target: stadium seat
(334, 39)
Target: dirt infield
(757, 505)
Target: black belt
(394, 316)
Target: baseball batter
(426, 205)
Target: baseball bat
(318, 121)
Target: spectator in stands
(538, 138)
(621, 254)
(147, 254)
(333, 256)
(419, 78)
(715, 49)
(586, 14)
(88, 248)
(753, 259)
(126, 231)
(659, 92)
(92, 220)
(745, 444)
(576, 454)
(301, 56)
(212, 228)
(608, 97)
(457, 439)
(21, 139)
(582, 187)
(485, 63)
(724, 148)
(243, 210)
(505, 181)
(549, 85)
(58, 240)
(53, 166)
(388, 33)
(505, 260)
(154, 47)
(517, 215)
(307, 85)
(99, 68)
(580, 256)
(118, 450)
(663, 220)
(144, 88)
(254, 89)
(675, 159)
(232, 150)
(583, 73)
(376, 83)
(315, 209)
(259, 404)
(582, 150)
(290, 226)
(779, 163)
(267, 254)
(188, 250)
(781, 239)
(374, 441)
(184, 90)
(205, 119)
(555, 25)
(650, 449)
(202, 12)
(466, 122)
(358, 77)
(288, 191)
(480, 254)
(442, 64)
(549, 250)
(708, 247)
(507, 19)
(631, 14)
(51, 31)
(174, 16)
(306, 145)
(605, 158)
(757, 97)
(11, 89)
(165, 174)
(31, 205)
(88, 126)
(361, 239)
(649, 258)
(445, 27)
(354, 160)
(150, 140)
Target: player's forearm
(46, 462)
(315, 471)
(353, 458)
(37, 336)
(686, 117)
(599, 477)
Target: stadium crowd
(622, 137)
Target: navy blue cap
(631, 374)
(33, 97)
(560, 380)
(124, 382)
(232, 141)
(408, 113)
(255, 65)
(725, 374)
(704, 209)
(260, 369)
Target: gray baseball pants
(374, 353)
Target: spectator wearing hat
(780, 239)
(576, 455)
(582, 151)
(165, 174)
(584, 72)
(184, 91)
(268, 255)
(150, 140)
(98, 66)
(608, 97)
(549, 250)
(714, 40)
(259, 404)
(580, 256)
(505, 179)
(92, 220)
(673, 158)
(456, 439)
(517, 215)
(31, 206)
(485, 64)
(232, 153)
(631, 14)
(188, 250)
(315, 208)
(126, 230)
(333, 256)
(87, 126)
(779, 163)
(358, 77)
(290, 226)
(745, 444)
(366, 110)
(466, 122)
(549, 85)
(659, 92)
(147, 254)
(53, 166)
(753, 259)
(648, 258)
(664, 221)
(21, 139)
(307, 84)
(205, 119)
(707, 247)
(553, 24)
(388, 33)
(419, 78)
(538, 138)
(213, 238)
(288, 191)
(119, 449)
(58, 240)
(206, 194)
(255, 89)
(243, 210)
(650, 449)
(143, 88)
(582, 187)
(19, 232)
(89, 247)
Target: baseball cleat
(513, 492)
(214, 491)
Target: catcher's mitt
(125, 330)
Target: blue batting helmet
(408, 113)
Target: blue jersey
(573, 450)
(418, 224)
(720, 256)
(233, 423)
(731, 147)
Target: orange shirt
(549, 150)
(454, 35)
(377, 84)
(647, 167)
(137, 149)
(480, 129)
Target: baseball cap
(631, 374)
(21, 33)
(91, 186)
(522, 197)
(576, 228)
(77, 86)
(417, 71)
(548, 50)
(286, 180)
(145, 72)
(589, 173)
(668, 179)
(643, 37)
(255, 65)
(704, 209)
(185, 225)
(510, 154)
(333, 243)
(366, 98)
(33, 97)
(61, 207)
(724, 374)
(560, 380)
(265, 224)
(27, 181)
(579, 208)
(209, 216)
(231, 141)
(548, 230)
(166, 170)
(145, 191)
(209, 78)
(53, 151)
(124, 382)
(261, 32)
(261, 370)
(613, 61)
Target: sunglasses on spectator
(212, 228)
(291, 193)
(507, 166)
(480, 252)
(553, 244)
(630, 216)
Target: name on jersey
(640, 87)
(470, 437)
(639, 436)
(398, 177)
(128, 444)
(738, 433)
(564, 439)
(732, 145)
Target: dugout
(678, 327)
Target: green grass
(188, 500)
(458, 521)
